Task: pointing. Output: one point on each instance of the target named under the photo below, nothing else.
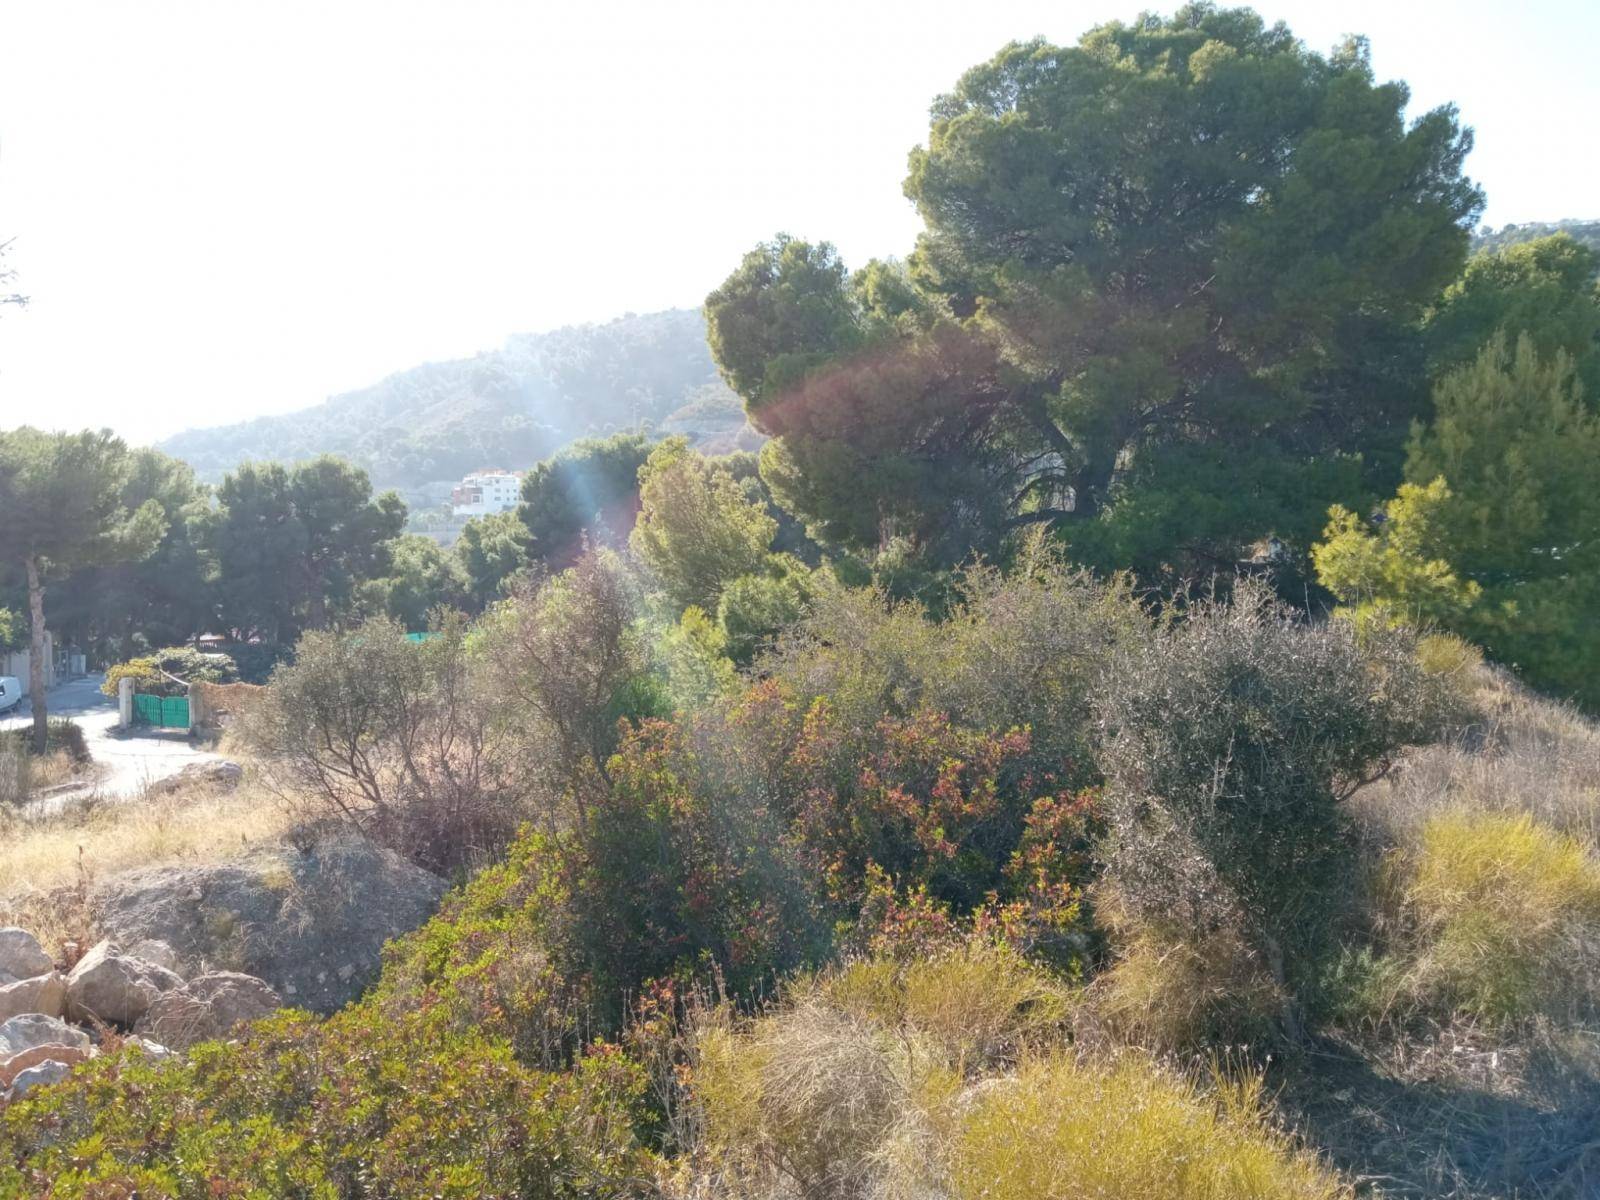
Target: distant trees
(421, 579)
(161, 599)
(589, 491)
(490, 551)
(291, 546)
(1545, 290)
(1168, 288)
(697, 529)
(62, 496)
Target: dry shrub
(392, 737)
(1453, 657)
(1508, 916)
(1180, 994)
(979, 1004)
(949, 1078)
(15, 775)
(804, 1097)
(1061, 1129)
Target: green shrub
(1019, 651)
(663, 876)
(754, 609)
(365, 1104)
(167, 672)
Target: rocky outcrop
(43, 994)
(21, 956)
(207, 1008)
(311, 923)
(110, 987)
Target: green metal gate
(163, 712)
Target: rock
(43, 994)
(207, 1008)
(217, 776)
(152, 1050)
(36, 1029)
(45, 1073)
(155, 951)
(19, 1062)
(21, 956)
(311, 923)
(113, 987)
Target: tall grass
(1509, 914)
(1062, 1129)
(952, 1078)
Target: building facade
(485, 492)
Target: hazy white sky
(222, 209)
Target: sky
(224, 208)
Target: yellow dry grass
(48, 864)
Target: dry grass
(48, 864)
(953, 1078)
(1523, 754)
(1184, 995)
(1064, 1129)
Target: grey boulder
(207, 1008)
(48, 1072)
(115, 988)
(36, 1029)
(19, 1062)
(21, 956)
(42, 994)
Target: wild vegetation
(1033, 776)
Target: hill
(1487, 238)
(508, 407)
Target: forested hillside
(511, 406)
(1586, 232)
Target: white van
(10, 692)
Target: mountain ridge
(509, 407)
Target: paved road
(126, 764)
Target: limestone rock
(311, 922)
(207, 1008)
(51, 1071)
(156, 951)
(215, 776)
(21, 956)
(151, 1050)
(19, 1062)
(36, 1029)
(115, 988)
(42, 994)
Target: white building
(485, 492)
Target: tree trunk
(36, 653)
